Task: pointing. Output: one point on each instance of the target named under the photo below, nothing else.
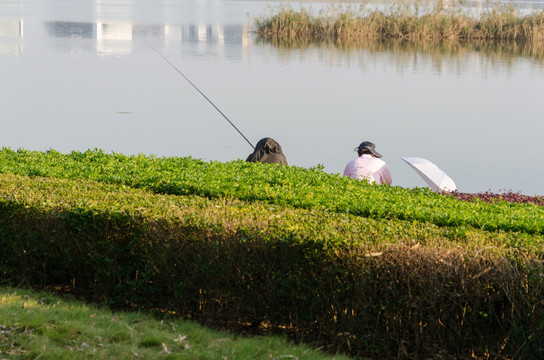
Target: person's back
(368, 166)
(267, 151)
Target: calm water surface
(83, 75)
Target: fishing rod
(201, 93)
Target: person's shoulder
(274, 158)
(352, 161)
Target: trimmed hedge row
(286, 186)
(363, 286)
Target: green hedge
(364, 286)
(286, 186)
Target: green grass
(39, 325)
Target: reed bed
(349, 24)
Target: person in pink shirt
(368, 166)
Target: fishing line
(201, 93)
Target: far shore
(414, 22)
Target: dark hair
(366, 147)
(363, 151)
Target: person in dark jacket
(267, 151)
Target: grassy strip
(40, 325)
(379, 293)
(254, 219)
(401, 21)
(289, 186)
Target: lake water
(80, 75)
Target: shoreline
(352, 24)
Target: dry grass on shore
(401, 21)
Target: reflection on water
(444, 56)
(116, 39)
(11, 31)
(11, 28)
(75, 30)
